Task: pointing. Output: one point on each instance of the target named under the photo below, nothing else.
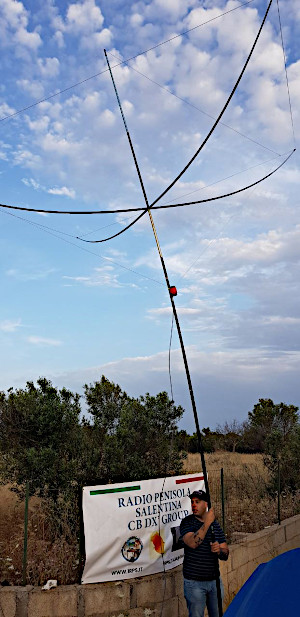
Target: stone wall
(152, 596)
(257, 548)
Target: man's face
(198, 506)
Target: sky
(73, 310)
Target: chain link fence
(243, 503)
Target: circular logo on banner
(132, 548)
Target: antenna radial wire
(199, 439)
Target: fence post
(81, 534)
(278, 492)
(223, 498)
(25, 533)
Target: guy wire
(187, 371)
(286, 75)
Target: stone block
(8, 602)
(58, 602)
(292, 530)
(165, 609)
(22, 600)
(156, 589)
(182, 607)
(168, 609)
(262, 551)
(224, 578)
(240, 557)
(225, 568)
(178, 583)
(238, 577)
(104, 598)
(80, 601)
(289, 546)
(278, 538)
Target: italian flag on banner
(132, 529)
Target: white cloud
(136, 20)
(267, 249)
(33, 87)
(6, 110)
(29, 274)
(28, 39)
(190, 312)
(84, 16)
(10, 325)
(40, 125)
(47, 342)
(49, 67)
(32, 183)
(101, 277)
(58, 37)
(63, 191)
(61, 146)
(26, 158)
(13, 26)
(97, 40)
(226, 384)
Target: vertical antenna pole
(186, 366)
(278, 492)
(223, 498)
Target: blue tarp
(273, 590)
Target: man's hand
(222, 550)
(215, 547)
(193, 540)
(208, 517)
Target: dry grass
(232, 461)
(248, 505)
(49, 555)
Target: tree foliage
(231, 435)
(40, 437)
(137, 435)
(273, 428)
(269, 418)
(44, 439)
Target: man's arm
(194, 539)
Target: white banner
(132, 529)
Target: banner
(132, 529)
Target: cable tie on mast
(173, 291)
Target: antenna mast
(172, 293)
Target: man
(199, 570)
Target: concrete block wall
(152, 596)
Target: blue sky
(70, 310)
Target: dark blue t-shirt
(198, 563)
